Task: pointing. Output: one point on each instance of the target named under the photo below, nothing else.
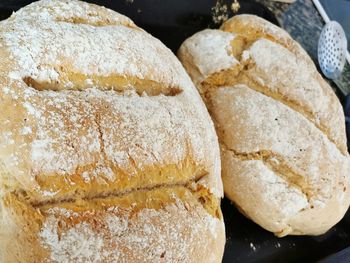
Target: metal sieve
(332, 48)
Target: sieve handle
(321, 11)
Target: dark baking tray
(172, 21)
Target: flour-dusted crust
(95, 108)
(281, 127)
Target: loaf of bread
(107, 151)
(280, 126)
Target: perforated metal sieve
(332, 48)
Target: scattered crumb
(252, 246)
(219, 12)
(278, 245)
(235, 6)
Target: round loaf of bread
(281, 128)
(107, 151)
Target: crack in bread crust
(97, 23)
(209, 202)
(277, 165)
(100, 135)
(117, 83)
(290, 103)
(242, 78)
(260, 28)
(114, 193)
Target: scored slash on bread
(281, 127)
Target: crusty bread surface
(280, 126)
(107, 151)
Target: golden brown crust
(325, 113)
(96, 108)
(292, 164)
(137, 227)
(280, 125)
(252, 27)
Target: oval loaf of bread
(107, 151)
(280, 126)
